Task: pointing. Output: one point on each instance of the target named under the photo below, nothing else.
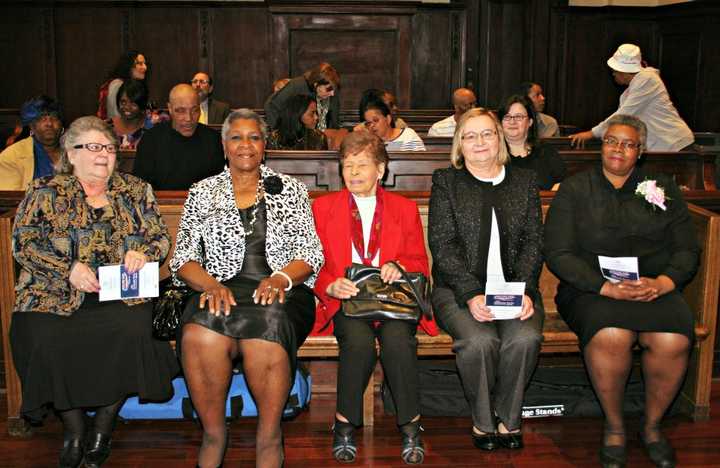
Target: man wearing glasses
(212, 111)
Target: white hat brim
(623, 67)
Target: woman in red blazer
(365, 224)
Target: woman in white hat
(646, 98)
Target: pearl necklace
(253, 216)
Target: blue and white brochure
(116, 283)
(504, 299)
(617, 269)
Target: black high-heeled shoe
(509, 440)
(613, 456)
(660, 452)
(97, 450)
(487, 441)
(413, 448)
(72, 452)
(344, 448)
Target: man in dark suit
(212, 111)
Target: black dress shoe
(344, 448)
(97, 450)
(413, 448)
(512, 440)
(613, 456)
(72, 453)
(484, 441)
(660, 452)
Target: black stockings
(104, 422)
(608, 358)
(73, 423)
(207, 362)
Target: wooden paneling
(26, 54)
(88, 43)
(170, 39)
(241, 68)
(420, 51)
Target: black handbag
(168, 310)
(404, 299)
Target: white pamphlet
(116, 283)
(616, 269)
(504, 299)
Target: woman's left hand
(527, 308)
(134, 261)
(390, 273)
(658, 287)
(270, 289)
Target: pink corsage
(653, 194)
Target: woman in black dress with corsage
(247, 244)
(619, 210)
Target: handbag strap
(422, 303)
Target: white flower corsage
(652, 193)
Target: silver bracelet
(287, 277)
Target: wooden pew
(702, 295)
(412, 171)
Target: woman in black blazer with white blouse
(485, 224)
(247, 244)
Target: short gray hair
(246, 114)
(630, 121)
(75, 131)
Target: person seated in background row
(130, 65)
(620, 210)
(647, 98)
(39, 154)
(72, 352)
(247, 245)
(297, 126)
(545, 125)
(279, 84)
(463, 100)
(212, 111)
(379, 121)
(322, 83)
(133, 120)
(518, 121)
(174, 155)
(485, 227)
(366, 224)
(383, 95)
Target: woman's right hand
(479, 310)
(342, 288)
(218, 299)
(83, 278)
(629, 291)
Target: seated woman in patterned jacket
(73, 352)
(247, 244)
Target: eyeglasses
(97, 147)
(485, 135)
(515, 117)
(624, 145)
(200, 81)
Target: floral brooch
(273, 185)
(652, 193)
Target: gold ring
(276, 289)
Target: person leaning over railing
(246, 243)
(485, 227)
(70, 350)
(620, 210)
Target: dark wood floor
(550, 442)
